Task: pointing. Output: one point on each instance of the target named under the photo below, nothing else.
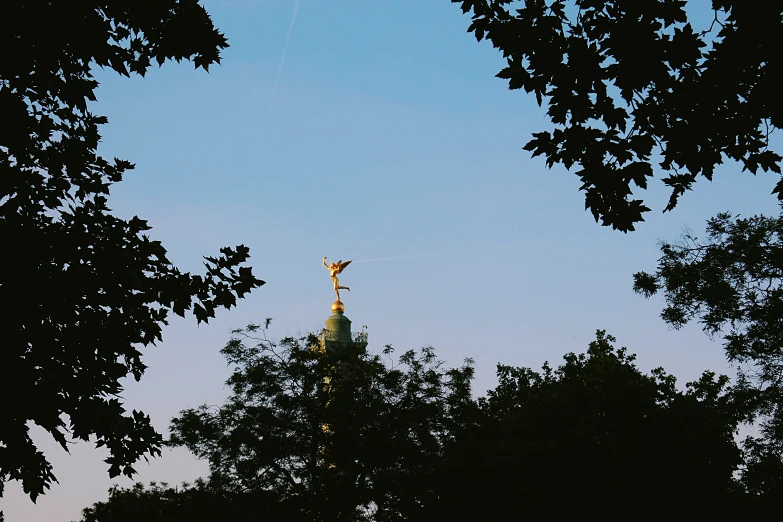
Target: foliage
(198, 502)
(596, 437)
(731, 284)
(627, 80)
(364, 444)
(763, 474)
(85, 289)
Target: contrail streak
(430, 254)
(282, 61)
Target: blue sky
(389, 136)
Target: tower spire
(337, 333)
(335, 342)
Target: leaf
(641, 66)
(114, 287)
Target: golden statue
(334, 269)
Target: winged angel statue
(334, 269)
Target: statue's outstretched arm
(324, 262)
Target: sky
(388, 137)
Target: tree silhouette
(84, 289)
(731, 283)
(592, 438)
(198, 502)
(627, 81)
(366, 445)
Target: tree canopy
(385, 438)
(732, 284)
(83, 289)
(629, 82)
(198, 502)
(596, 437)
(366, 444)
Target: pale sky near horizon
(389, 136)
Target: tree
(197, 503)
(762, 478)
(84, 289)
(629, 80)
(366, 445)
(596, 438)
(731, 283)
